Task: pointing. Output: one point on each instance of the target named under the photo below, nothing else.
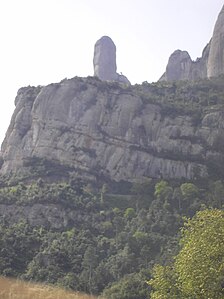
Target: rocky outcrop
(216, 54)
(103, 130)
(181, 67)
(104, 61)
(54, 216)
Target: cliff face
(110, 131)
(216, 54)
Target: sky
(45, 41)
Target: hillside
(96, 177)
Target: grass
(16, 289)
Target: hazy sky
(44, 41)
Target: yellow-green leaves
(198, 269)
(200, 263)
(164, 283)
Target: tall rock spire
(216, 54)
(104, 61)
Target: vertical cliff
(216, 54)
(96, 129)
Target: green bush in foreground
(198, 268)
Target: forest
(114, 249)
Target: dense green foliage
(198, 269)
(117, 241)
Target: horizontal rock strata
(97, 129)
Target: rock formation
(104, 61)
(181, 67)
(216, 54)
(95, 131)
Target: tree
(143, 193)
(200, 262)
(190, 200)
(129, 213)
(198, 269)
(217, 194)
(189, 190)
(89, 264)
(131, 286)
(164, 283)
(163, 191)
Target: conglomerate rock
(216, 55)
(104, 61)
(181, 67)
(102, 129)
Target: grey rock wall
(98, 129)
(216, 54)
